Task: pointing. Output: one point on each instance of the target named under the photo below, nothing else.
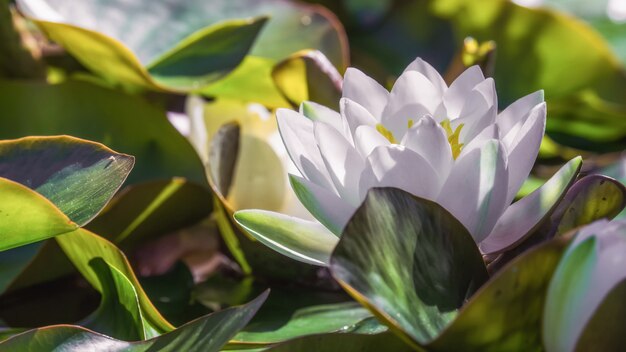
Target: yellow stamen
(453, 137)
(386, 133)
(410, 123)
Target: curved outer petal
(399, 167)
(321, 113)
(427, 70)
(343, 162)
(298, 136)
(593, 265)
(428, 139)
(326, 206)
(517, 112)
(520, 218)
(454, 98)
(475, 191)
(305, 241)
(355, 115)
(411, 97)
(367, 138)
(362, 89)
(523, 152)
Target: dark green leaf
(206, 334)
(409, 261)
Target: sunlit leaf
(291, 313)
(82, 247)
(308, 76)
(78, 176)
(409, 261)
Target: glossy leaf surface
(409, 261)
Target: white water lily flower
(593, 265)
(444, 143)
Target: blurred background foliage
(120, 72)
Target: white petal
(343, 162)
(412, 97)
(490, 132)
(305, 241)
(475, 191)
(367, 138)
(399, 167)
(362, 89)
(429, 139)
(523, 153)
(454, 98)
(479, 111)
(318, 112)
(520, 218)
(517, 112)
(299, 139)
(326, 206)
(355, 115)
(427, 70)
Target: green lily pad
(409, 261)
(518, 290)
(208, 333)
(119, 313)
(120, 121)
(82, 247)
(591, 198)
(78, 176)
(199, 45)
(291, 313)
(308, 76)
(189, 55)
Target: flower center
(453, 137)
(386, 133)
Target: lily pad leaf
(187, 56)
(78, 176)
(82, 247)
(518, 290)
(409, 261)
(527, 214)
(308, 76)
(119, 313)
(28, 217)
(291, 313)
(206, 334)
(303, 240)
(592, 198)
